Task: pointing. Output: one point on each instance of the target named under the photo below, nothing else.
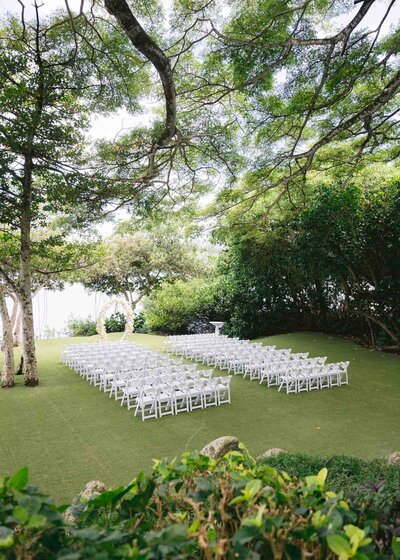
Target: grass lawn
(68, 433)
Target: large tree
(55, 257)
(133, 262)
(7, 345)
(53, 72)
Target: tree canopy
(299, 87)
(133, 262)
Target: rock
(394, 458)
(270, 453)
(92, 488)
(69, 516)
(220, 446)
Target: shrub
(115, 323)
(81, 327)
(330, 266)
(368, 485)
(139, 323)
(196, 507)
(352, 475)
(173, 308)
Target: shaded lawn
(68, 433)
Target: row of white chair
(119, 385)
(188, 395)
(152, 383)
(295, 372)
(308, 378)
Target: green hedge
(354, 476)
(196, 507)
(114, 323)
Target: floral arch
(127, 311)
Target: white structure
(218, 326)
(127, 310)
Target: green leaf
(245, 534)
(252, 488)
(31, 503)
(37, 520)
(319, 519)
(20, 514)
(339, 545)
(237, 500)
(357, 536)
(396, 547)
(194, 526)
(255, 520)
(173, 535)
(19, 480)
(86, 534)
(6, 537)
(321, 476)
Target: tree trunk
(7, 374)
(25, 281)
(18, 329)
(16, 318)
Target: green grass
(353, 476)
(68, 433)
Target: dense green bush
(330, 265)
(371, 485)
(196, 508)
(350, 474)
(180, 306)
(139, 323)
(81, 327)
(115, 323)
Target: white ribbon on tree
(127, 311)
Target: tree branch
(148, 47)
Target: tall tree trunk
(16, 318)
(7, 374)
(18, 328)
(25, 280)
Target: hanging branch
(148, 47)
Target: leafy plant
(81, 327)
(331, 265)
(179, 306)
(195, 507)
(115, 323)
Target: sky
(52, 309)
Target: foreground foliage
(372, 483)
(195, 507)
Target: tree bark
(7, 374)
(25, 281)
(16, 318)
(17, 328)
